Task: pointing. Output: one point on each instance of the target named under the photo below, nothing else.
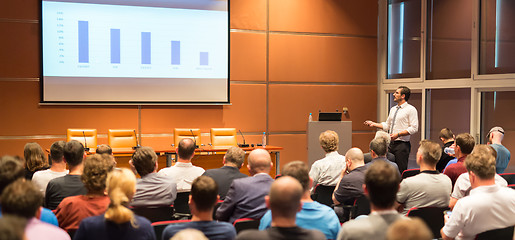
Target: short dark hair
(481, 162)
(204, 192)
(382, 182)
(431, 152)
(406, 91)
(144, 160)
(235, 155)
(298, 170)
(378, 145)
(21, 198)
(94, 175)
(11, 170)
(73, 153)
(466, 142)
(446, 133)
(57, 151)
(104, 149)
(186, 148)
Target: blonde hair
(329, 141)
(189, 234)
(121, 185)
(35, 158)
(409, 229)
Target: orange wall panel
(248, 109)
(322, 59)
(248, 14)
(362, 140)
(19, 55)
(340, 17)
(19, 9)
(248, 56)
(295, 147)
(291, 104)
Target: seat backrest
(246, 223)
(160, 226)
(410, 173)
(122, 138)
(432, 216)
(223, 137)
(181, 203)
(509, 177)
(323, 194)
(181, 133)
(155, 214)
(80, 134)
(497, 234)
(361, 207)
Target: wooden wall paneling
(248, 110)
(301, 58)
(14, 147)
(19, 55)
(248, 14)
(362, 140)
(163, 119)
(19, 9)
(248, 56)
(340, 17)
(295, 147)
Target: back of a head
(186, 148)
(12, 227)
(284, 197)
(10, 170)
(384, 135)
(329, 141)
(379, 146)
(382, 182)
(298, 170)
(144, 160)
(431, 152)
(446, 134)
(57, 151)
(260, 161)
(73, 153)
(189, 234)
(94, 175)
(21, 198)
(34, 156)
(409, 229)
(235, 155)
(466, 142)
(121, 185)
(481, 162)
(104, 149)
(204, 192)
(355, 155)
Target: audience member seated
(233, 160)
(313, 214)
(183, 172)
(106, 149)
(429, 188)
(35, 159)
(378, 148)
(327, 170)
(12, 228)
(487, 207)
(284, 201)
(462, 186)
(72, 210)
(350, 186)
(447, 138)
(495, 137)
(203, 198)
(70, 184)
(23, 199)
(381, 186)
(118, 222)
(11, 169)
(57, 169)
(409, 229)
(384, 135)
(152, 189)
(463, 147)
(245, 198)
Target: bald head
(284, 197)
(186, 148)
(355, 155)
(259, 161)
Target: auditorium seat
(155, 214)
(410, 173)
(245, 224)
(223, 137)
(88, 137)
(122, 138)
(181, 133)
(159, 227)
(497, 234)
(323, 194)
(509, 177)
(432, 216)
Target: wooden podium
(344, 130)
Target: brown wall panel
(19, 9)
(19, 54)
(14, 147)
(341, 17)
(248, 56)
(362, 141)
(295, 147)
(248, 14)
(248, 109)
(291, 104)
(322, 59)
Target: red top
(454, 170)
(72, 210)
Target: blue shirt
(212, 229)
(455, 160)
(46, 216)
(503, 157)
(312, 216)
(98, 228)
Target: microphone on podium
(244, 144)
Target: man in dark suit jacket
(246, 196)
(224, 176)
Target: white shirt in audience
(183, 174)
(41, 178)
(462, 186)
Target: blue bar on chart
(176, 52)
(83, 42)
(115, 45)
(204, 61)
(145, 47)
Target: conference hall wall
(288, 58)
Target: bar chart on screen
(133, 41)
